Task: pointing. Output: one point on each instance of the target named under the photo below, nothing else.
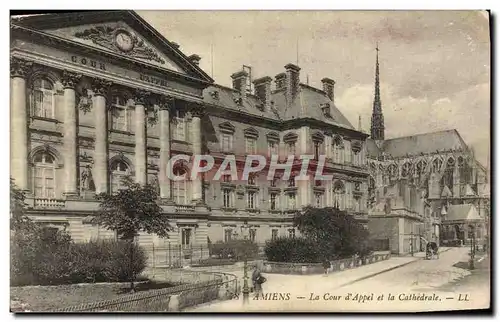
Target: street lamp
(246, 289)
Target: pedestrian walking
(257, 280)
(326, 266)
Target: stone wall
(317, 268)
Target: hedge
(292, 250)
(51, 258)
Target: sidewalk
(301, 285)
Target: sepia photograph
(332, 161)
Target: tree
(18, 219)
(336, 233)
(130, 211)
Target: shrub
(292, 250)
(237, 249)
(57, 260)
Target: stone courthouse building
(96, 96)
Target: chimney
(240, 82)
(195, 59)
(280, 80)
(328, 88)
(292, 81)
(263, 90)
(175, 45)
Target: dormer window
(325, 109)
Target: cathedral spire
(377, 126)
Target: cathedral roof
(424, 143)
(467, 212)
(307, 104)
(372, 148)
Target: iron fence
(177, 256)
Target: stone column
(70, 80)
(19, 123)
(197, 184)
(165, 106)
(141, 173)
(101, 178)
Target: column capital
(19, 67)
(141, 97)
(166, 102)
(70, 79)
(196, 109)
(100, 86)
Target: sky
(434, 65)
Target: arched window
(421, 165)
(180, 187)
(405, 170)
(436, 165)
(447, 179)
(44, 175)
(120, 114)
(119, 170)
(393, 170)
(42, 98)
(338, 149)
(338, 194)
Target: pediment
(123, 33)
(119, 38)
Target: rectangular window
(179, 192)
(272, 148)
(228, 233)
(44, 182)
(291, 182)
(291, 233)
(291, 201)
(43, 103)
(253, 233)
(274, 234)
(274, 201)
(319, 199)
(180, 129)
(226, 178)
(317, 149)
(186, 236)
(227, 142)
(119, 119)
(250, 145)
(227, 198)
(251, 200)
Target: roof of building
(424, 143)
(372, 148)
(307, 104)
(467, 212)
(226, 99)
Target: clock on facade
(124, 40)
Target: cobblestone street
(415, 275)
